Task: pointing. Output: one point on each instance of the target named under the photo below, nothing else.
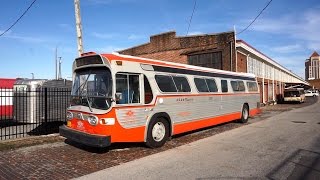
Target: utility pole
(59, 76)
(78, 26)
(56, 62)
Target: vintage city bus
(119, 98)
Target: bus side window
(224, 85)
(165, 83)
(252, 86)
(212, 85)
(181, 84)
(148, 95)
(201, 85)
(241, 86)
(234, 85)
(127, 88)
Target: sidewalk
(284, 146)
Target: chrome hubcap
(158, 131)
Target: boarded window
(211, 60)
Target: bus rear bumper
(83, 138)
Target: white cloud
(108, 49)
(28, 39)
(104, 35)
(103, 2)
(7, 33)
(66, 27)
(100, 1)
(314, 45)
(195, 33)
(292, 63)
(302, 26)
(287, 48)
(135, 37)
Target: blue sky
(288, 31)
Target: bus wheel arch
(158, 130)
(245, 113)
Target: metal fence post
(46, 105)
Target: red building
(312, 70)
(6, 93)
(220, 51)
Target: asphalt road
(285, 146)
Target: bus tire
(158, 133)
(244, 114)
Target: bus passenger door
(130, 109)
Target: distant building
(312, 70)
(6, 89)
(219, 51)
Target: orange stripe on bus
(206, 94)
(197, 124)
(254, 112)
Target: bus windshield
(92, 87)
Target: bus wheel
(158, 133)
(244, 114)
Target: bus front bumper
(83, 138)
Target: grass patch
(29, 141)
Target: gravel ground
(65, 160)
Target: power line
(194, 7)
(18, 18)
(255, 18)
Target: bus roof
(117, 56)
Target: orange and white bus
(119, 98)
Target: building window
(211, 60)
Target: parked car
(312, 93)
(294, 95)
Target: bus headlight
(69, 115)
(93, 120)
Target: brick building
(219, 51)
(312, 70)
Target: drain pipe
(230, 55)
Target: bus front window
(92, 87)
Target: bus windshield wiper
(89, 105)
(82, 85)
(86, 95)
